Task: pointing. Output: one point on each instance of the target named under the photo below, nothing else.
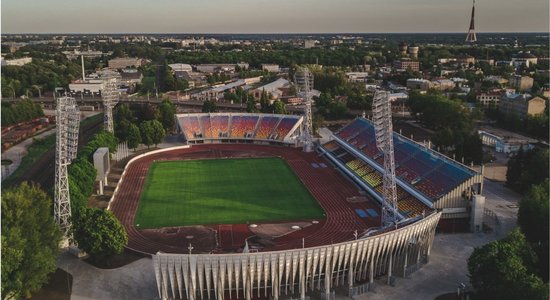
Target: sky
(270, 16)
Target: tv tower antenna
(66, 145)
(471, 36)
(383, 130)
(109, 95)
(304, 82)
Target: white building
(357, 76)
(272, 88)
(17, 61)
(181, 67)
(524, 59)
(271, 68)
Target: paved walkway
(133, 281)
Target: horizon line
(266, 33)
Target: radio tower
(382, 119)
(109, 95)
(66, 145)
(304, 82)
(471, 37)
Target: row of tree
(20, 111)
(96, 231)
(147, 125)
(82, 174)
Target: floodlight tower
(66, 146)
(382, 119)
(304, 82)
(109, 96)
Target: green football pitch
(223, 191)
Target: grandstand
(426, 179)
(239, 127)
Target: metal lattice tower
(109, 96)
(471, 36)
(66, 146)
(304, 83)
(383, 129)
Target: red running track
(326, 184)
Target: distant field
(223, 191)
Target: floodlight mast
(304, 83)
(382, 120)
(109, 96)
(67, 122)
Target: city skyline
(263, 16)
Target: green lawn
(223, 191)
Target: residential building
(273, 89)
(405, 63)
(505, 141)
(443, 84)
(181, 67)
(309, 44)
(417, 83)
(357, 76)
(489, 99)
(271, 68)
(524, 59)
(212, 68)
(88, 54)
(521, 105)
(521, 83)
(124, 62)
(465, 60)
(17, 61)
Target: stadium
(281, 222)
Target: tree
(146, 132)
(30, 240)
(157, 132)
(264, 103)
(98, 232)
(209, 106)
(499, 270)
(279, 107)
(167, 110)
(527, 168)
(134, 136)
(251, 106)
(533, 218)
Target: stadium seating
(284, 127)
(354, 164)
(351, 129)
(373, 179)
(331, 146)
(266, 126)
(219, 125)
(207, 128)
(430, 173)
(241, 125)
(191, 127)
